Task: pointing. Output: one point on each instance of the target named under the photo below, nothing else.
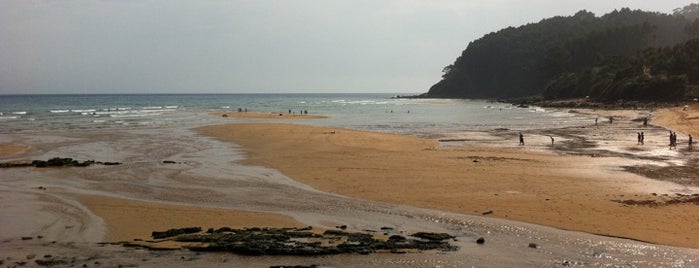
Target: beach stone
(480, 241)
(27, 238)
(31, 256)
(533, 245)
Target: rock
(433, 236)
(31, 256)
(341, 227)
(224, 115)
(487, 212)
(480, 241)
(533, 245)
(27, 238)
(169, 162)
(174, 232)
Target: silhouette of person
(521, 139)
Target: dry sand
(679, 119)
(10, 149)
(568, 192)
(132, 219)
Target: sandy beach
(209, 177)
(568, 192)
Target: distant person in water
(596, 118)
(551, 140)
(521, 139)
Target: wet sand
(568, 192)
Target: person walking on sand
(642, 138)
(638, 138)
(670, 140)
(521, 139)
(596, 118)
(551, 140)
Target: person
(611, 119)
(638, 138)
(551, 140)
(521, 139)
(673, 140)
(670, 140)
(596, 118)
(645, 121)
(642, 138)
(690, 142)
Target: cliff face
(526, 60)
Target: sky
(254, 46)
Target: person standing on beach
(551, 140)
(642, 138)
(690, 142)
(521, 139)
(611, 119)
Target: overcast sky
(228, 46)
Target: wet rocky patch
(56, 162)
(662, 200)
(300, 241)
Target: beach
(254, 171)
(567, 192)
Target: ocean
(376, 112)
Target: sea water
(378, 112)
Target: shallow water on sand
(207, 175)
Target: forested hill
(579, 55)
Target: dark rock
(533, 245)
(174, 232)
(480, 241)
(386, 228)
(433, 236)
(224, 115)
(341, 227)
(397, 238)
(334, 232)
(55, 162)
(27, 238)
(169, 162)
(31, 256)
(487, 212)
(283, 241)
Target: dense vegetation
(626, 54)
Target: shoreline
(567, 192)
